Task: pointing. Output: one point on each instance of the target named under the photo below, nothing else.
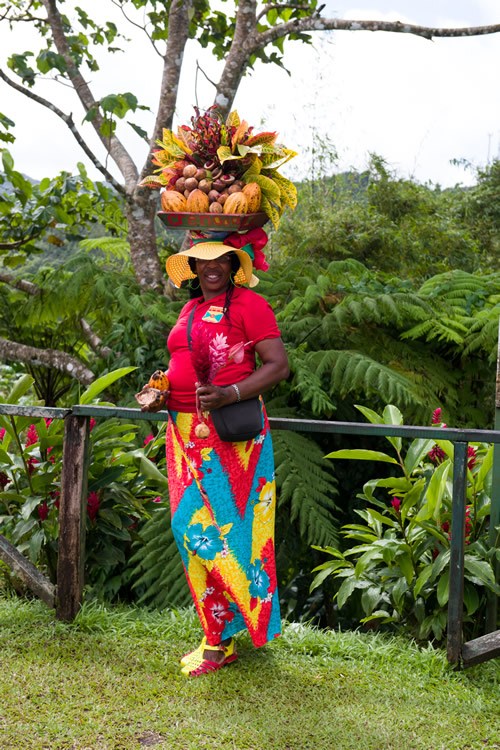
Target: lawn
(111, 681)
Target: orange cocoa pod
(253, 194)
(171, 200)
(159, 380)
(197, 201)
(236, 203)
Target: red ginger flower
(31, 435)
(43, 511)
(471, 453)
(2, 433)
(396, 503)
(148, 439)
(436, 454)
(93, 503)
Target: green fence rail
(67, 595)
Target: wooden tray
(217, 222)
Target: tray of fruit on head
(203, 199)
(220, 175)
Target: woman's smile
(214, 275)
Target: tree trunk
(141, 210)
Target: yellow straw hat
(178, 266)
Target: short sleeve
(259, 319)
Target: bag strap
(190, 326)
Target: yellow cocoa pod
(197, 201)
(236, 203)
(253, 194)
(171, 200)
(159, 380)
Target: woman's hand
(214, 396)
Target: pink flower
(92, 424)
(93, 503)
(396, 503)
(2, 433)
(148, 439)
(31, 435)
(237, 352)
(436, 416)
(47, 421)
(157, 499)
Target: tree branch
(21, 284)
(317, 23)
(178, 34)
(94, 341)
(117, 151)
(68, 120)
(14, 352)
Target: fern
(157, 572)
(306, 487)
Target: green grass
(111, 681)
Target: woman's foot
(211, 659)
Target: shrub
(398, 569)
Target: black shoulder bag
(236, 422)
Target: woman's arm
(274, 368)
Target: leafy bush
(124, 487)
(397, 572)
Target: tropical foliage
(394, 567)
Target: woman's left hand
(214, 396)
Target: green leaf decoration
(100, 385)
(268, 208)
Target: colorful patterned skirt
(222, 500)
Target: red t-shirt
(251, 319)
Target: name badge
(213, 315)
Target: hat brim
(178, 268)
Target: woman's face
(214, 275)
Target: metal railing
(67, 596)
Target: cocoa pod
(253, 194)
(197, 201)
(236, 203)
(171, 200)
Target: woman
(222, 495)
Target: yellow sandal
(204, 666)
(194, 658)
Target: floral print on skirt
(222, 500)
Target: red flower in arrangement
(92, 424)
(93, 503)
(2, 433)
(396, 503)
(148, 439)
(31, 435)
(157, 499)
(4, 480)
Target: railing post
(456, 597)
(72, 517)
(494, 536)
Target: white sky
(416, 103)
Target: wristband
(238, 394)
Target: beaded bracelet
(238, 394)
